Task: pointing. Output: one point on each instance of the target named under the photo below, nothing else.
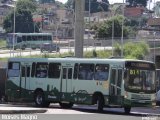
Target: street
(84, 112)
(28, 52)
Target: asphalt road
(83, 112)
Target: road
(28, 52)
(83, 112)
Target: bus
(27, 40)
(158, 86)
(68, 81)
(158, 79)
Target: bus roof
(87, 60)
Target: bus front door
(66, 83)
(115, 87)
(25, 80)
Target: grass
(89, 54)
(2, 43)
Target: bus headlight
(153, 97)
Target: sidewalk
(4, 109)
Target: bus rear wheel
(66, 105)
(40, 99)
(127, 110)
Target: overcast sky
(116, 1)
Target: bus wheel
(66, 105)
(23, 48)
(42, 50)
(40, 100)
(57, 50)
(100, 103)
(127, 110)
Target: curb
(21, 111)
(15, 51)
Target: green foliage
(69, 4)
(99, 54)
(117, 50)
(132, 50)
(104, 29)
(28, 5)
(2, 43)
(94, 5)
(137, 2)
(23, 17)
(46, 1)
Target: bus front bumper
(139, 103)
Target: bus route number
(134, 72)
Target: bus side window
(75, 75)
(41, 70)
(113, 76)
(24, 38)
(119, 78)
(33, 69)
(70, 73)
(86, 72)
(54, 70)
(101, 72)
(13, 69)
(19, 39)
(23, 71)
(28, 71)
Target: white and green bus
(28, 40)
(67, 81)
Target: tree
(133, 50)
(104, 29)
(29, 5)
(135, 3)
(46, 1)
(94, 5)
(23, 17)
(69, 4)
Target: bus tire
(57, 50)
(23, 48)
(40, 99)
(66, 105)
(100, 103)
(42, 50)
(127, 109)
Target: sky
(116, 1)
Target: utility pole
(14, 27)
(79, 28)
(122, 42)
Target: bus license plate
(141, 101)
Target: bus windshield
(140, 80)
